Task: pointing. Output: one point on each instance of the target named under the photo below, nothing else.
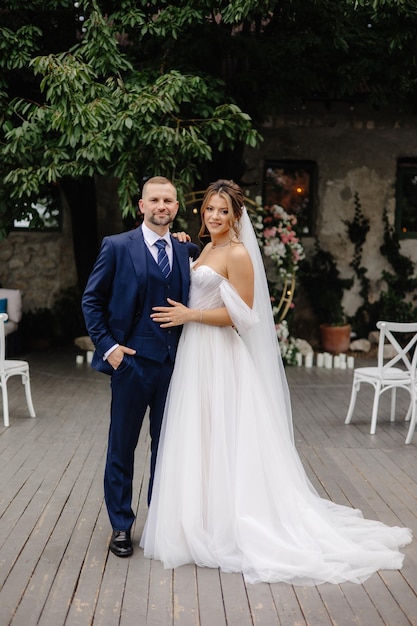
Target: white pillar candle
(350, 362)
(342, 365)
(328, 361)
(342, 358)
(79, 359)
(320, 359)
(336, 361)
(299, 358)
(89, 356)
(309, 360)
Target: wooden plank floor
(55, 569)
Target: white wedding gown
(230, 490)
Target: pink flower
(270, 232)
(278, 239)
(285, 238)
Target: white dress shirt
(151, 237)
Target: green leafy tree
(103, 114)
(131, 88)
(106, 106)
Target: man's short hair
(157, 180)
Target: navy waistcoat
(147, 337)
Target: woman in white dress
(230, 490)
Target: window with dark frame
(406, 198)
(40, 214)
(291, 184)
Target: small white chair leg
(375, 409)
(355, 389)
(409, 410)
(5, 402)
(393, 404)
(412, 421)
(29, 396)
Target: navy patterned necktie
(163, 261)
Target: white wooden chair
(8, 368)
(386, 375)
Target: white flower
(279, 211)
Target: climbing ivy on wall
(396, 301)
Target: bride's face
(217, 216)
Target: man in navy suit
(124, 285)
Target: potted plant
(325, 287)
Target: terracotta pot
(335, 339)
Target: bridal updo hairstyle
(232, 193)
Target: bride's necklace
(220, 245)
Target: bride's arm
(240, 273)
(240, 277)
(178, 314)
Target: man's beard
(161, 220)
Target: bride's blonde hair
(232, 194)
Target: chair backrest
(3, 319)
(14, 303)
(406, 355)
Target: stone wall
(40, 264)
(355, 151)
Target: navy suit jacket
(114, 294)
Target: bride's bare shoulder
(239, 256)
(238, 251)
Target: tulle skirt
(230, 491)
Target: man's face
(159, 205)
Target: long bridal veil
(261, 339)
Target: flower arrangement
(275, 230)
(287, 344)
(276, 233)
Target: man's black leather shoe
(121, 543)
